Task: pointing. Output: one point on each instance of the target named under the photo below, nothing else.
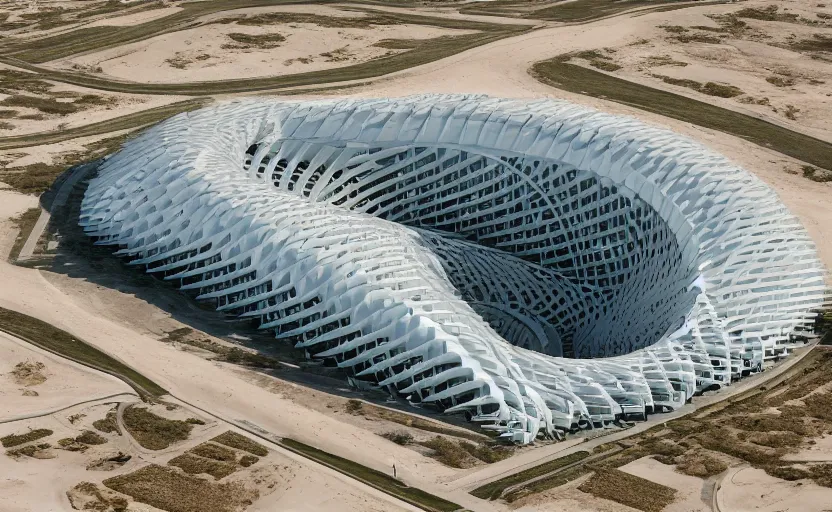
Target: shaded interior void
(556, 259)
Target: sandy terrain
(47, 153)
(66, 382)
(752, 489)
(567, 498)
(134, 19)
(112, 105)
(821, 451)
(744, 61)
(36, 484)
(689, 489)
(207, 52)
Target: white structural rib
(462, 251)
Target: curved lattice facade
(462, 250)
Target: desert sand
(745, 488)
(207, 53)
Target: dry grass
(12, 440)
(87, 496)
(171, 491)
(495, 489)
(779, 81)
(234, 355)
(374, 478)
(710, 88)
(109, 424)
(285, 18)
(89, 437)
(720, 90)
(399, 437)
(195, 465)
(664, 60)
(24, 223)
(248, 460)
(259, 41)
(213, 451)
(697, 38)
(37, 178)
(449, 453)
(630, 490)
(29, 373)
(154, 432)
(700, 464)
(241, 442)
(37, 451)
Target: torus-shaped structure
(535, 265)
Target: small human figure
(394, 471)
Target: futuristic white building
(535, 265)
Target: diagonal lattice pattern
(461, 250)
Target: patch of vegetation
(248, 460)
(664, 60)
(285, 18)
(337, 55)
(791, 112)
(432, 50)
(818, 43)
(45, 105)
(241, 442)
(701, 465)
(630, 490)
(37, 178)
(12, 440)
(373, 478)
(768, 13)
(90, 438)
(51, 338)
(779, 81)
(195, 465)
(493, 490)
(169, 490)
(87, 496)
(24, 223)
(213, 451)
(129, 121)
(721, 90)
(587, 10)
(109, 424)
(154, 432)
(32, 450)
(235, 355)
(559, 73)
(697, 38)
(259, 41)
(674, 29)
(487, 452)
(449, 453)
(550, 482)
(400, 437)
(194, 421)
(710, 88)
(357, 407)
(604, 65)
(775, 439)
